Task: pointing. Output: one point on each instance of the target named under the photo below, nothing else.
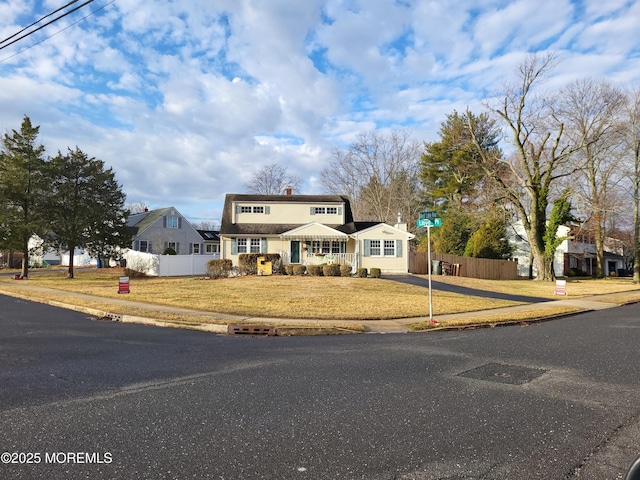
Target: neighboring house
(156, 230)
(310, 229)
(210, 241)
(39, 257)
(575, 255)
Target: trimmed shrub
(248, 262)
(331, 270)
(361, 273)
(315, 270)
(219, 268)
(288, 269)
(299, 269)
(169, 251)
(375, 272)
(345, 270)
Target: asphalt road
(81, 398)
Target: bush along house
(310, 230)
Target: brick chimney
(288, 191)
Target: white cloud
(186, 100)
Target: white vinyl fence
(168, 265)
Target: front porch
(310, 258)
(317, 244)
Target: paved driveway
(447, 287)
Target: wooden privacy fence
(486, 268)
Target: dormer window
(326, 210)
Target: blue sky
(187, 99)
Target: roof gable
(384, 226)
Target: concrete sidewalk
(285, 326)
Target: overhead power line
(38, 21)
(5, 43)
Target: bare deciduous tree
(591, 112)
(273, 179)
(379, 173)
(632, 148)
(541, 154)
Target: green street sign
(429, 214)
(429, 222)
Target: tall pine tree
(23, 190)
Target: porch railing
(317, 259)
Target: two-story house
(575, 255)
(153, 231)
(310, 229)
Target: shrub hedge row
(248, 265)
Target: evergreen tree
(23, 188)
(490, 240)
(86, 208)
(449, 168)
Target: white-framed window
(144, 246)
(383, 248)
(212, 248)
(172, 222)
(375, 248)
(389, 248)
(173, 245)
(326, 246)
(332, 210)
(258, 209)
(245, 209)
(319, 210)
(196, 248)
(248, 245)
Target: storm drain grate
(251, 330)
(501, 373)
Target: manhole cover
(501, 373)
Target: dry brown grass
(285, 297)
(297, 297)
(575, 287)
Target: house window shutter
(267, 210)
(339, 210)
(164, 222)
(190, 248)
(178, 248)
(263, 245)
(367, 248)
(136, 245)
(312, 210)
(234, 246)
(398, 248)
(343, 247)
(237, 209)
(179, 222)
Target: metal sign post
(427, 220)
(430, 268)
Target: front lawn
(302, 297)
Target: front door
(295, 251)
